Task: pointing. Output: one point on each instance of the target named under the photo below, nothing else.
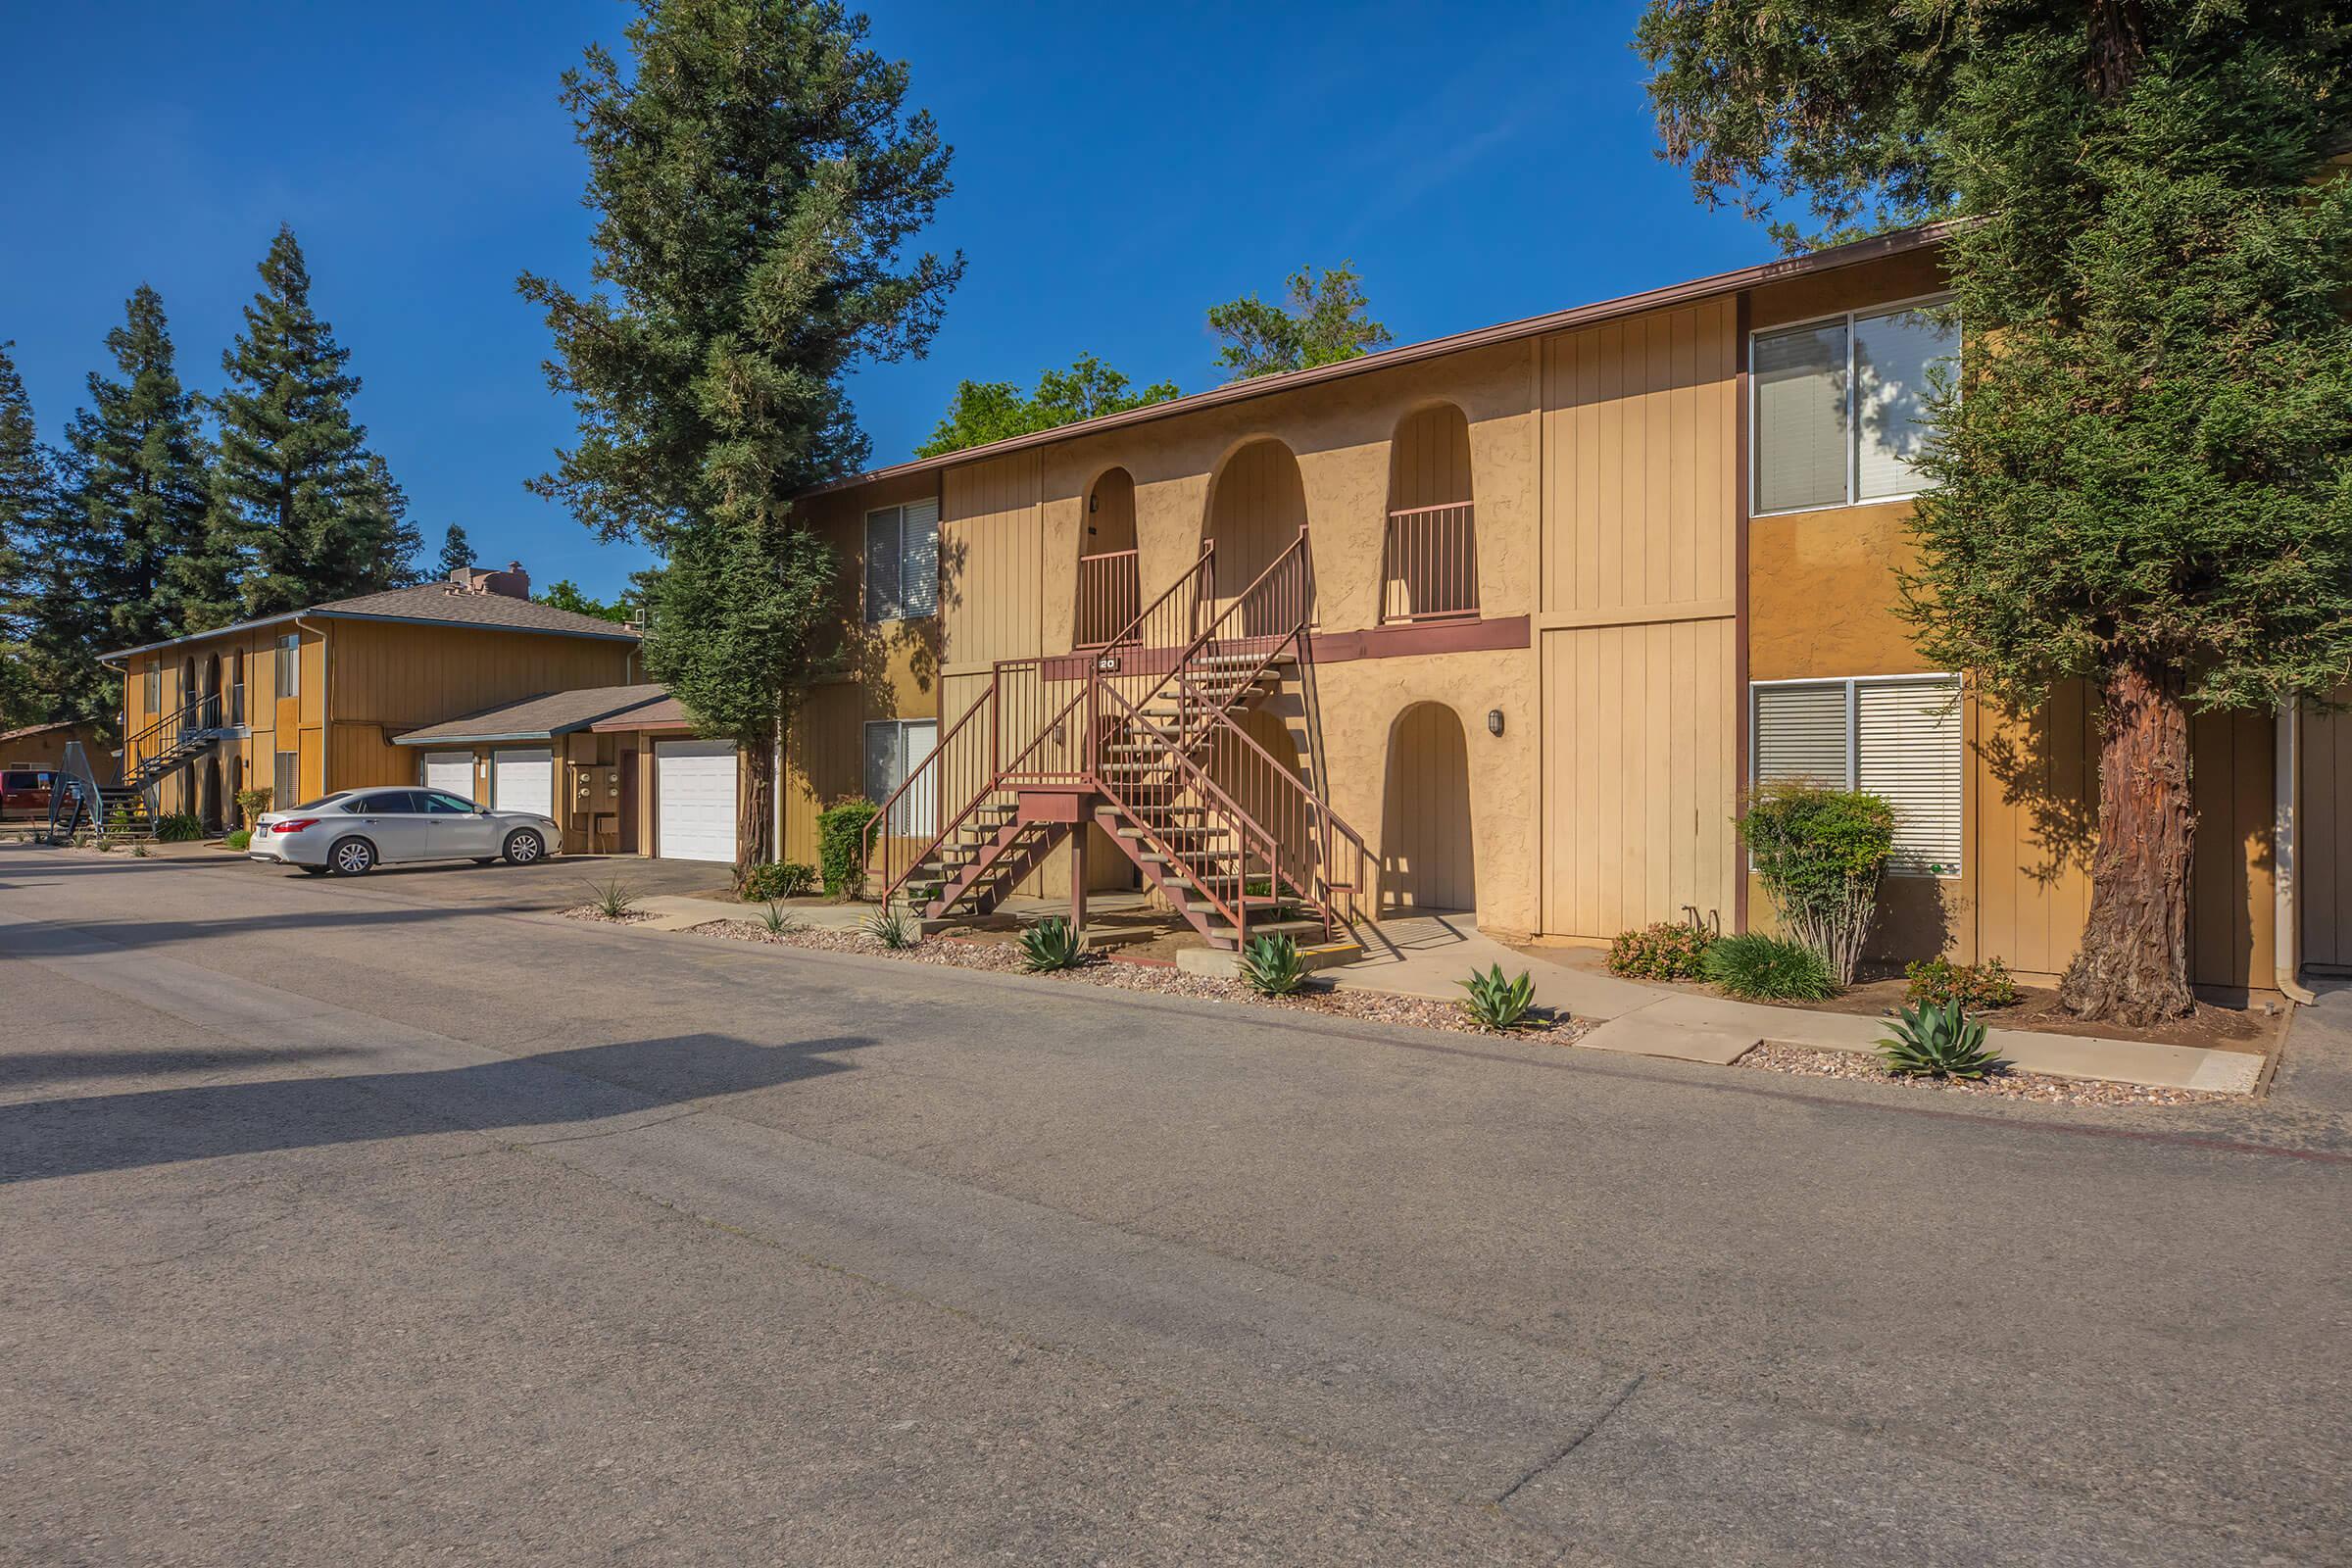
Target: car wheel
(352, 858)
(524, 846)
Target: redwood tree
(2142, 476)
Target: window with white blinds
(1898, 738)
(902, 561)
(1840, 410)
(895, 749)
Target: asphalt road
(397, 1221)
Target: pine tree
(378, 520)
(50, 626)
(756, 180)
(457, 551)
(295, 494)
(135, 478)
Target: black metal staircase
(127, 810)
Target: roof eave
(1852, 254)
(616, 635)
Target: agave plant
(779, 920)
(1498, 1003)
(891, 927)
(611, 899)
(1049, 945)
(1938, 1041)
(1271, 967)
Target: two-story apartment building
(313, 699)
(1568, 586)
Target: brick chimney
(514, 582)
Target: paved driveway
(561, 883)
(344, 1221)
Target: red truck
(25, 792)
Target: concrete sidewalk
(1428, 954)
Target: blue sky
(1117, 169)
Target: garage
(694, 790)
(524, 781)
(450, 770)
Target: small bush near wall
(841, 844)
(778, 879)
(180, 827)
(241, 839)
(1820, 853)
(1974, 985)
(252, 804)
(1664, 952)
(1762, 968)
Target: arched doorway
(187, 684)
(1429, 566)
(1256, 506)
(207, 794)
(1109, 589)
(1427, 854)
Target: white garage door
(694, 782)
(524, 781)
(450, 770)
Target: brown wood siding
(1641, 462)
(2324, 856)
(1638, 784)
(1256, 508)
(992, 566)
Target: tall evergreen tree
(135, 480)
(2147, 485)
(295, 496)
(755, 181)
(51, 627)
(457, 551)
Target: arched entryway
(1427, 854)
(1110, 588)
(1429, 563)
(1256, 506)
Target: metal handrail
(74, 780)
(1240, 823)
(880, 818)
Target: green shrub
(1939, 1042)
(1669, 951)
(1498, 1003)
(1764, 968)
(1820, 853)
(253, 803)
(240, 839)
(1974, 985)
(892, 929)
(841, 845)
(1051, 944)
(778, 920)
(180, 827)
(612, 897)
(1271, 967)
(778, 879)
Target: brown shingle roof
(439, 601)
(540, 717)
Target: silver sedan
(353, 832)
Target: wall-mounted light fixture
(1493, 720)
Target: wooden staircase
(1140, 738)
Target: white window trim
(1853, 739)
(1853, 459)
(866, 563)
(289, 668)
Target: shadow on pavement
(52, 1138)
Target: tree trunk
(752, 814)
(2133, 963)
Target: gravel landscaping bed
(1372, 1006)
(589, 911)
(1773, 1057)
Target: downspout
(2287, 810)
